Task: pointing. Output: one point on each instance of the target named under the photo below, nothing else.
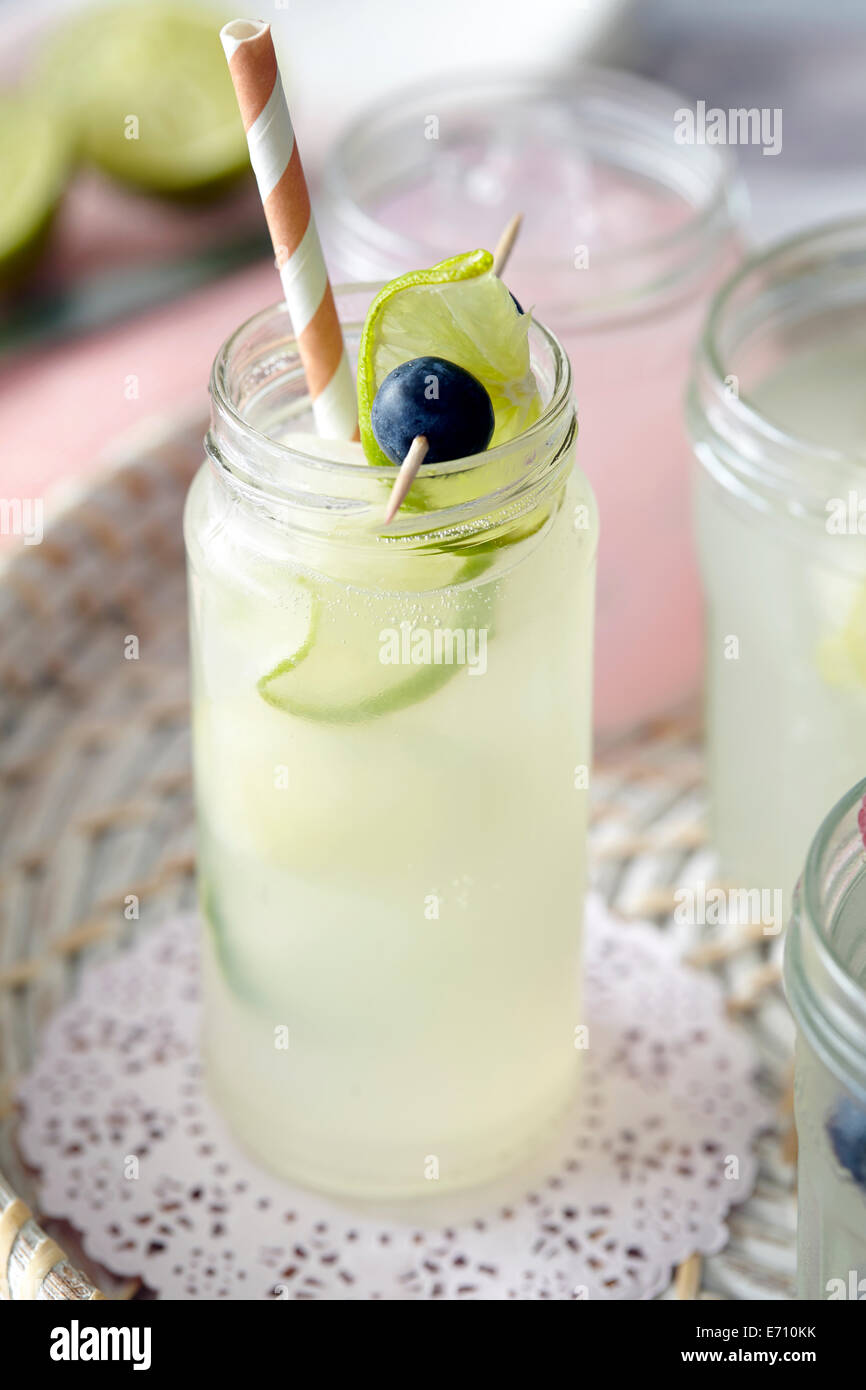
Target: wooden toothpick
(409, 467)
(420, 445)
(505, 244)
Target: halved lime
(346, 670)
(146, 88)
(461, 311)
(34, 159)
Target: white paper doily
(658, 1149)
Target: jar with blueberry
(825, 980)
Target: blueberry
(517, 302)
(438, 399)
(846, 1129)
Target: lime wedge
(146, 88)
(842, 655)
(34, 158)
(461, 311)
(338, 675)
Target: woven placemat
(96, 823)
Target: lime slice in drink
(347, 670)
(842, 655)
(461, 311)
(34, 157)
(146, 88)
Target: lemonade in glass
(776, 412)
(392, 737)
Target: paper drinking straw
(276, 163)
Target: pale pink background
(61, 407)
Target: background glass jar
(776, 414)
(626, 234)
(825, 980)
(390, 854)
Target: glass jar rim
(308, 481)
(761, 449)
(812, 877)
(828, 1002)
(713, 203)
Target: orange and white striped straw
(276, 163)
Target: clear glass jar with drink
(391, 737)
(825, 979)
(626, 234)
(776, 414)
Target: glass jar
(391, 740)
(775, 410)
(626, 234)
(825, 980)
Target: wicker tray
(96, 805)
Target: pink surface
(60, 408)
(630, 384)
(102, 226)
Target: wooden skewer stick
(420, 445)
(505, 244)
(408, 468)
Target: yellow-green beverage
(777, 415)
(391, 743)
